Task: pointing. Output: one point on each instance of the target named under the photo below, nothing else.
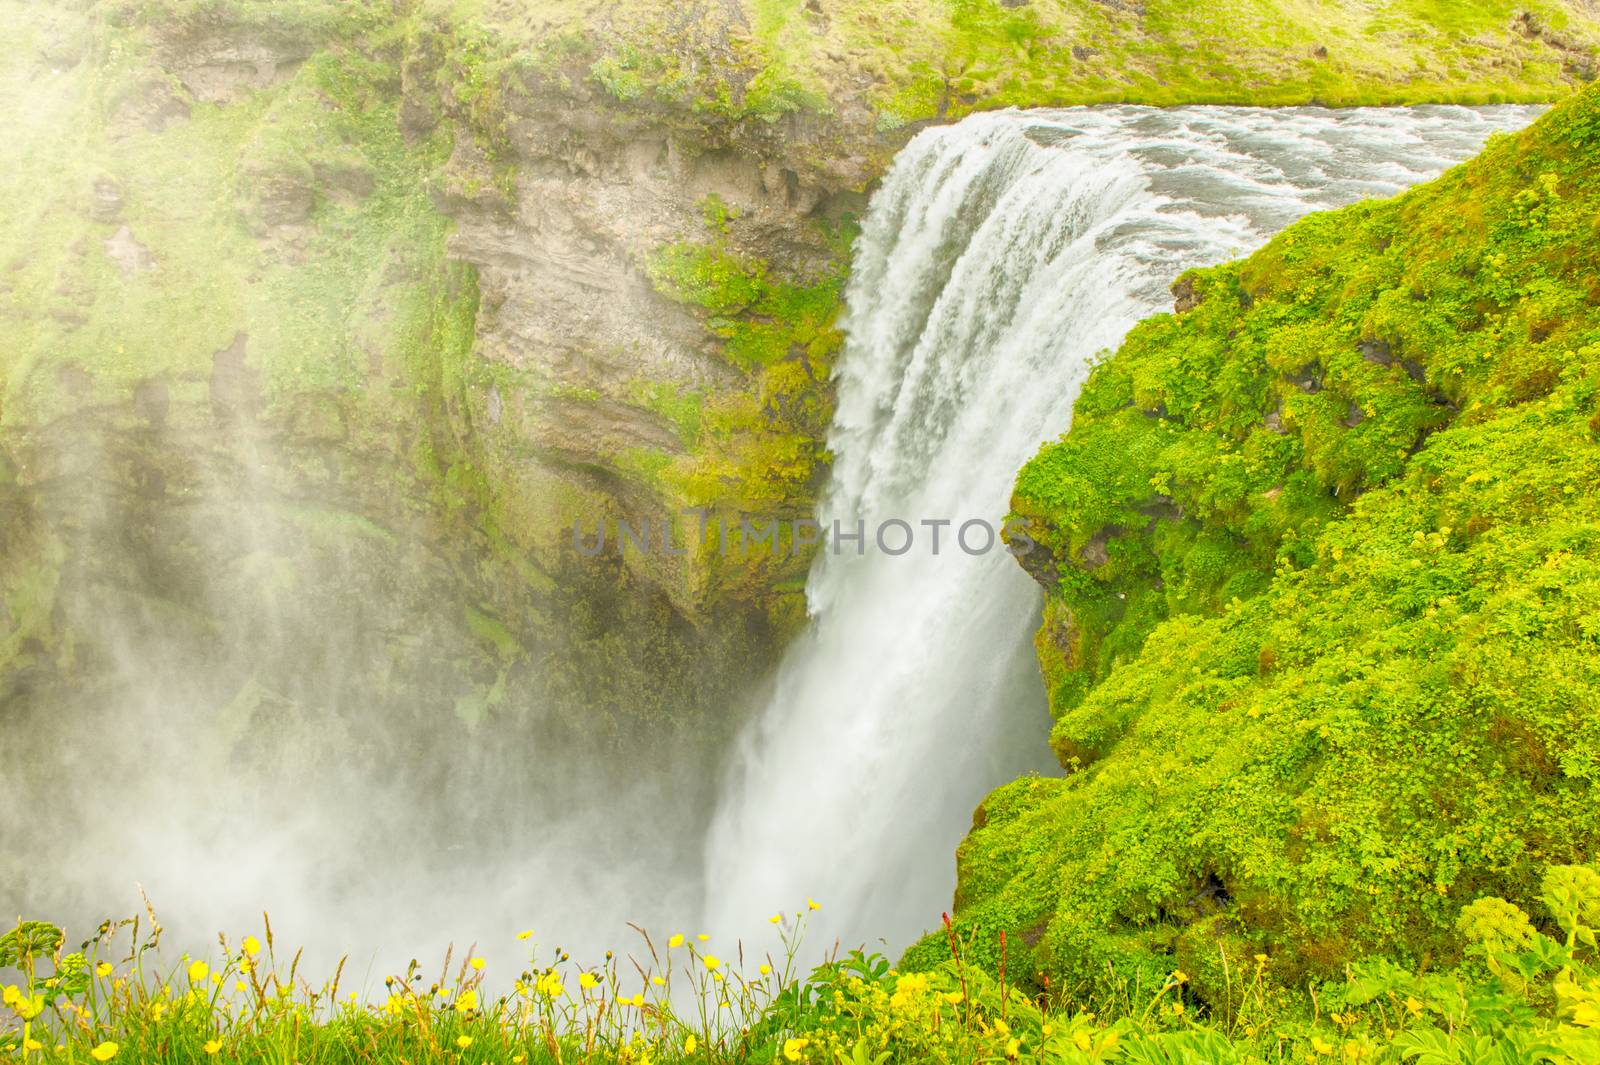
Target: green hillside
(1325, 572)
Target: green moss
(923, 59)
(1316, 656)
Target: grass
(1524, 996)
(913, 60)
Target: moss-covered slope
(1324, 581)
(911, 60)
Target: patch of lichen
(1319, 679)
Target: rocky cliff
(455, 275)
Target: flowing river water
(1001, 257)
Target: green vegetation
(783, 333)
(1324, 556)
(1521, 997)
(912, 60)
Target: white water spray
(1000, 257)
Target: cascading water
(271, 703)
(1000, 257)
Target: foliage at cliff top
(911, 60)
(1323, 649)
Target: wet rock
(153, 104)
(347, 177)
(106, 202)
(130, 256)
(223, 72)
(1096, 553)
(152, 400)
(1354, 415)
(277, 193)
(1378, 352)
(1184, 296)
(235, 387)
(1309, 380)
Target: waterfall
(1000, 257)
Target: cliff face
(453, 277)
(300, 290)
(1323, 555)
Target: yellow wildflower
(690, 1043)
(703, 937)
(794, 1049)
(1083, 1041)
(252, 946)
(1320, 1045)
(775, 918)
(11, 995)
(1013, 1048)
(712, 962)
(463, 1041)
(212, 1046)
(550, 984)
(103, 969)
(676, 940)
(766, 970)
(198, 971)
(104, 1052)
(467, 1001)
(813, 904)
(658, 981)
(952, 997)
(525, 934)
(32, 1045)
(588, 981)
